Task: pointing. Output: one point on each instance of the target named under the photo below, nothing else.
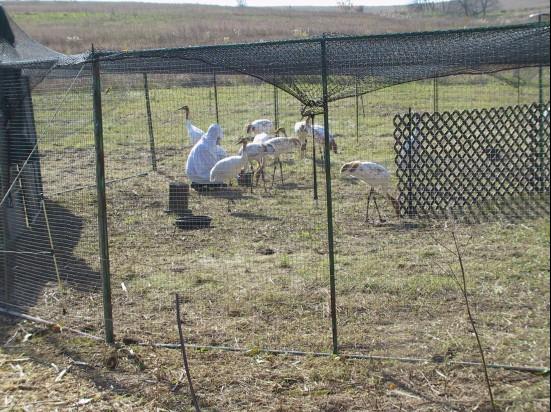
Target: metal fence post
(357, 112)
(4, 186)
(518, 87)
(149, 123)
(435, 94)
(541, 147)
(314, 167)
(276, 108)
(409, 143)
(215, 96)
(329, 197)
(102, 205)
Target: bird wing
(263, 125)
(261, 138)
(193, 130)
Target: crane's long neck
(187, 114)
(244, 155)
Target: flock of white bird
(262, 142)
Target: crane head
(243, 141)
(185, 108)
(281, 130)
(349, 168)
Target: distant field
(72, 27)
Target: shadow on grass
(507, 209)
(253, 216)
(36, 269)
(226, 193)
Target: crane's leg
(230, 202)
(264, 176)
(273, 174)
(368, 201)
(260, 173)
(280, 169)
(377, 207)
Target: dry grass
(143, 377)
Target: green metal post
(518, 87)
(149, 124)
(329, 198)
(435, 94)
(314, 168)
(541, 189)
(357, 113)
(276, 108)
(215, 96)
(410, 210)
(4, 186)
(102, 204)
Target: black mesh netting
(355, 64)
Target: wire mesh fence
(259, 276)
(395, 292)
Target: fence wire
(257, 276)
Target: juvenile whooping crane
(256, 152)
(228, 168)
(281, 145)
(304, 130)
(377, 178)
(260, 139)
(193, 132)
(259, 126)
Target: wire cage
(289, 261)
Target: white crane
(228, 168)
(281, 145)
(193, 132)
(259, 126)
(257, 151)
(377, 178)
(303, 131)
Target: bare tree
(345, 5)
(430, 6)
(476, 7)
(467, 6)
(241, 3)
(485, 5)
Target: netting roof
(355, 64)
(358, 64)
(17, 49)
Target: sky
(278, 3)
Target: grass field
(72, 27)
(259, 277)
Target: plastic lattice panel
(455, 160)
